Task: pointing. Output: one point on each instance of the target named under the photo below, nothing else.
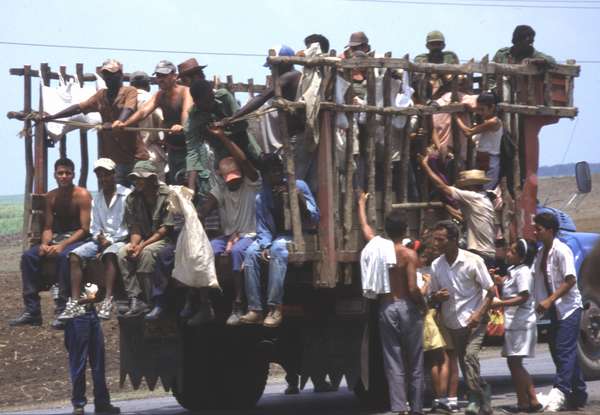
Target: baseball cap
(104, 163)
(165, 67)
(143, 169)
(111, 65)
(139, 76)
(282, 50)
(357, 39)
(229, 170)
(189, 66)
(435, 36)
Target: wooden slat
(29, 169)
(387, 145)
(370, 150)
(539, 110)
(349, 167)
(83, 139)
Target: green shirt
(448, 57)
(147, 218)
(197, 134)
(504, 55)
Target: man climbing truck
(329, 328)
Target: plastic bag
(66, 94)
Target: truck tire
(588, 345)
(221, 369)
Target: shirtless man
(400, 318)
(175, 102)
(66, 225)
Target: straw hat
(471, 178)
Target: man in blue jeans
(66, 226)
(557, 292)
(271, 243)
(84, 340)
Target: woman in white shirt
(488, 136)
(520, 335)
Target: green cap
(143, 169)
(435, 36)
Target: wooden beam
(568, 112)
(83, 139)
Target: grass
(11, 214)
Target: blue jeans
(277, 270)
(237, 252)
(31, 267)
(83, 340)
(165, 263)
(563, 347)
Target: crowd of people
(434, 296)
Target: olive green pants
(133, 271)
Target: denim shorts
(90, 249)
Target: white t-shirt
(375, 259)
(479, 215)
(237, 209)
(518, 280)
(559, 264)
(467, 281)
(489, 141)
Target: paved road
(343, 402)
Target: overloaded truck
(329, 328)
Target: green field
(11, 214)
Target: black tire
(588, 344)
(222, 369)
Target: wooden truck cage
(531, 96)
(36, 149)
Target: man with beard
(175, 102)
(66, 225)
(116, 103)
(522, 48)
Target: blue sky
(254, 26)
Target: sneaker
(252, 317)
(445, 407)
(72, 310)
(138, 307)
(26, 318)
(155, 314)
(453, 407)
(535, 409)
(106, 409)
(555, 401)
(78, 410)
(105, 308)
(204, 315)
(236, 314)
(512, 409)
(274, 318)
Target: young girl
(488, 135)
(520, 335)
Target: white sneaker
(72, 310)
(555, 401)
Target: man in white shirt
(557, 293)
(462, 284)
(476, 207)
(109, 234)
(235, 196)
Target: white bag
(194, 257)
(66, 94)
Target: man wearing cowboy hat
(150, 224)
(175, 102)
(189, 71)
(476, 207)
(115, 103)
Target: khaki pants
(133, 270)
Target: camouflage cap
(435, 36)
(143, 169)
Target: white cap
(104, 163)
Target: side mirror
(583, 177)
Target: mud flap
(150, 351)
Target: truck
(329, 328)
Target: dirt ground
(33, 360)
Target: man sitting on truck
(66, 225)
(272, 239)
(401, 311)
(476, 207)
(109, 233)
(234, 194)
(116, 103)
(557, 293)
(150, 224)
(175, 102)
(522, 49)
